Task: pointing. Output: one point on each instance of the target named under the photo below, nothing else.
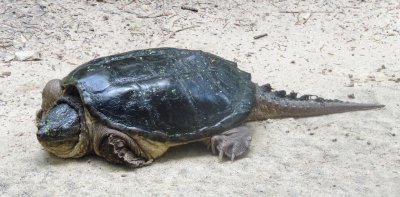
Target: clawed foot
(231, 144)
(114, 149)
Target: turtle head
(59, 131)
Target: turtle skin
(164, 94)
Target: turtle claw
(133, 161)
(232, 144)
(221, 155)
(233, 156)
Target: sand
(348, 50)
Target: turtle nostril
(40, 134)
(43, 132)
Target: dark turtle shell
(165, 94)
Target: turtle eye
(60, 129)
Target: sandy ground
(329, 48)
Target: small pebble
(350, 85)
(334, 140)
(311, 133)
(381, 68)
(27, 55)
(351, 96)
(124, 175)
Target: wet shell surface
(164, 94)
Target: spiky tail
(278, 104)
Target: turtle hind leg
(232, 143)
(115, 149)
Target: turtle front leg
(232, 143)
(114, 149)
(119, 148)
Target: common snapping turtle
(130, 108)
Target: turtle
(130, 108)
